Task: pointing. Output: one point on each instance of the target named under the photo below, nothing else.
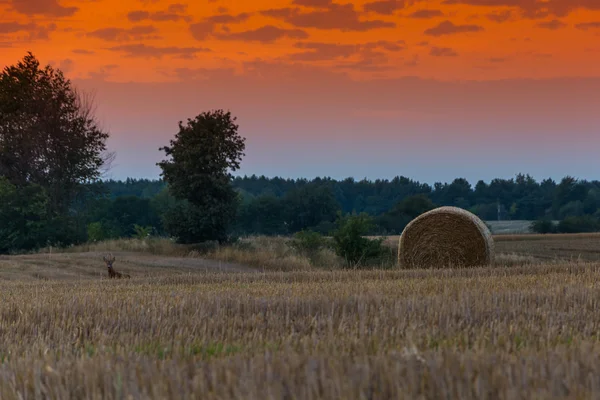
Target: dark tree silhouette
(48, 135)
(202, 156)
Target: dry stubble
(519, 332)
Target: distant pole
(498, 204)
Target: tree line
(278, 206)
(53, 155)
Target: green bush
(350, 243)
(141, 232)
(307, 243)
(586, 223)
(543, 226)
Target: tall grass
(273, 253)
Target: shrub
(307, 243)
(543, 226)
(141, 232)
(586, 223)
(350, 244)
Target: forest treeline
(277, 206)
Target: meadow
(259, 320)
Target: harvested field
(181, 329)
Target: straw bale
(445, 237)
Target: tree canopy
(50, 142)
(202, 156)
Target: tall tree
(202, 156)
(48, 134)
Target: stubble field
(189, 328)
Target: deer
(112, 274)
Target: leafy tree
(202, 155)
(23, 216)
(405, 211)
(48, 135)
(262, 215)
(350, 243)
(97, 232)
(308, 207)
(192, 224)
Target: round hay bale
(445, 237)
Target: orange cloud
(533, 8)
(142, 50)
(448, 28)
(552, 25)
(425, 14)
(385, 7)
(335, 16)
(442, 52)
(588, 25)
(50, 8)
(364, 39)
(112, 34)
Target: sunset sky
(432, 90)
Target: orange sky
(375, 89)
(150, 40)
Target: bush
(350, 244)
(586, 223)
(141, 232)
(543, 226)
(307, 243)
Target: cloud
(442, 52)
(264, 34)
(142, 50)
(50, 8)
(206, 28)
(371, 51)
(34, 31)
(177, 8)
(174, 12)
(426, 14)
(12, 27)
(82, 51)
(413, 62)
(448, 28)
(370, 60)
(535, 9)
(313, 3)
(66, 65)
(41, 32)
(501, 16)
(102, 73)
(113, 34)
(323, 51)
(337, 16)
(588, 25)
(228, 18)
(552, 25)
(385, 7)
(387, 45)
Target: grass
(526, 328)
